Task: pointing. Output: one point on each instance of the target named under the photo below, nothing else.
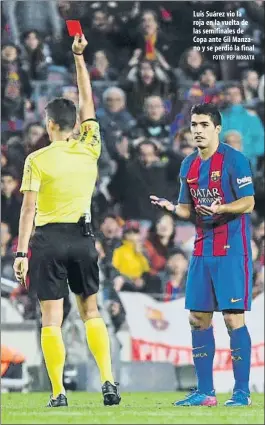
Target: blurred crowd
(146, 76)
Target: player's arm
(240, 206)
(26, 220)
(241, 183)
(86, 104)
(181, 210)
(89, 128)
(30, 187)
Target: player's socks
(54, 356)
(240, 344)
(203, 349)
(98, 342)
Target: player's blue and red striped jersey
(226, 175)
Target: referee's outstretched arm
(86, 104)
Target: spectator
(260, 105)
(4, 156)
(144, 175)
(14, 154)
(204, 91)
(258, 268)
(32, 134)
(16, 90)
(36, 56)
(259, 184)
(146, 284)
(233, 138)
(159, 242)
(261, 88)
(237, 117)
(183, 137)
(106, 36)
(7, 257)
(116, 310)
(70, 92)
(114, 118)
(155, 124)
(174, 276)
(250, 84)
(129, 259)
(147, 79)
(259, 233)
(10, 201)
(152, 40)
(101, 69)
(25, 15)
(190, 66)
(186, 149)
(110, 233)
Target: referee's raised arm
(86, 104)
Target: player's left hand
(213, 209)
(20, 267)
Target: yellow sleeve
(90, 137)
(31, 176)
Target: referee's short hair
(63, 112)
(208, 109)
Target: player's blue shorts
(219, 283)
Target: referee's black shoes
(111, 393)
(59, 401)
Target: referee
(59, 180)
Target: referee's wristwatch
(19, 254)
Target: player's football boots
(196, 398)
(111, 395)
(59, 401)
(239, 398)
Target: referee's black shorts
(62, 255)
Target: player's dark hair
(62, 112)
(208, 109)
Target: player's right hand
(163, 203)
(79, 44)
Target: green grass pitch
(135, 408)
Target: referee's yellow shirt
(64, 175)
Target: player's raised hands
(205, 210)
(162, 202)
(79, 44)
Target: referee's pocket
(38, 239)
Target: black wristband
(78, 54)
(21, 254)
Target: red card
(74, 27)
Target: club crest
(215, 176)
